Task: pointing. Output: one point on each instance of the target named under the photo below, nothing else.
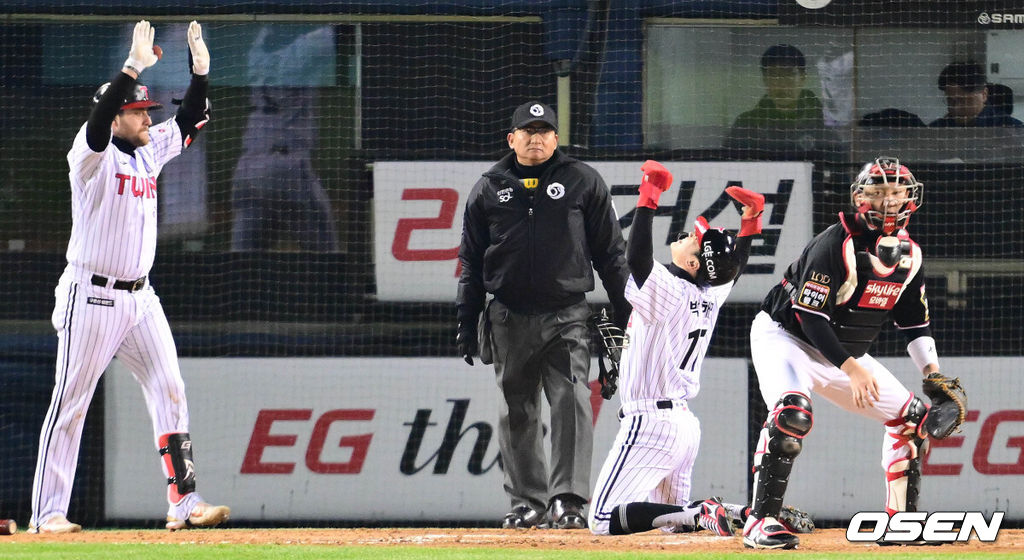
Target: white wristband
(132, 64)
(922, 351)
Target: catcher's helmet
(138, 100)
(887, 172)
(717, 255)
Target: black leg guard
(913, 482)
(176, 450)
(780, 443)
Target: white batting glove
(200, 54)
(141, 55)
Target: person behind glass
(277, 197)
(964, 85)
(788, 118)
(1000, 98)
(536, 226)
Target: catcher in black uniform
(813, 334)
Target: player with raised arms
(645, 481)
(105, 305)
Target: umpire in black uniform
(536, 226)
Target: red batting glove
(753, 207)
(656, 180)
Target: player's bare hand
(863, 384)
(142, 56)
(197, 47)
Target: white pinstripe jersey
(669, 333)
(114, 203)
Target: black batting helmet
(138, 100)
(717, 255)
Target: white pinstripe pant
(651, 461)
(95, 324)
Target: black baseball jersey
(839, 278)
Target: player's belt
(127, 285)
(641, 406)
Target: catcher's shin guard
(903, 476)
(780, 443)
(176, 450)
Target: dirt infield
(654, 541)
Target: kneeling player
(645, 481)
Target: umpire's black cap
(533, 111)
(138, 100)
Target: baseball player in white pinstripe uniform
(105, 306)
(645, 481)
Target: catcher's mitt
(949, 405)
(613, 342)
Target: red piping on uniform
(890, 475)
(842, 220)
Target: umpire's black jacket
(538, 253)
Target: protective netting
(319, 213)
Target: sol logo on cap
(536, 110)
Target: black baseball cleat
(795, 520)
(522, 517)
(566, 512)
(767, 532)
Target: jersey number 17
(694, 336)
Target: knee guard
(176, 451)
(903, 476)
(780, 442)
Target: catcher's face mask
(886, 193)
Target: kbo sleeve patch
(813, 295)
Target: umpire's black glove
(465, 339)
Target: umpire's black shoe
(767, 532)
(522, 517)
(566, 512)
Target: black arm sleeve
(640, 249)
(97, 130)
(742, 250)
(823, 338)
(193, 113)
